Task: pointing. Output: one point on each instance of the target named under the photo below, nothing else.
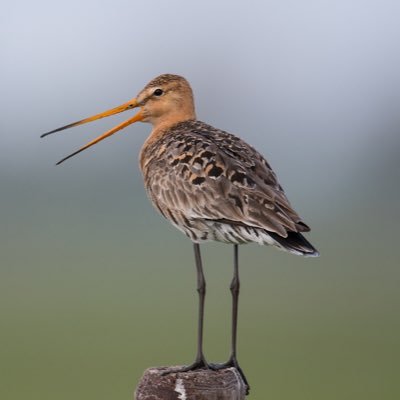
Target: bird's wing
(209, 174)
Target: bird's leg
(200, 361)
(235, 288)
(201, 289)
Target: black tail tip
(295, 243)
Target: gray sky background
(313, 84)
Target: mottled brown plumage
(212, 185)
(209, 184)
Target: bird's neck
(166, 120)
(161, 129)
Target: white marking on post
(179, 388)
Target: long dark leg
(235, 289)
(201, 289)
(200, 361)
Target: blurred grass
(95, 288)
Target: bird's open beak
(123, 107)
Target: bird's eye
(158, 92)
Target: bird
(210, 184)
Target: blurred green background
(95, 286)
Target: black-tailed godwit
(209, 184)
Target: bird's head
(164, 101)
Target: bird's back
(214, 186)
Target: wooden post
(225, 384)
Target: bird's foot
(232, 363)
(199, 363)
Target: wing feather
(206, 173)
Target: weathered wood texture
(224, 384)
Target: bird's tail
(295, 243)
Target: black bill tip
(69, 156)
(61, 129)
